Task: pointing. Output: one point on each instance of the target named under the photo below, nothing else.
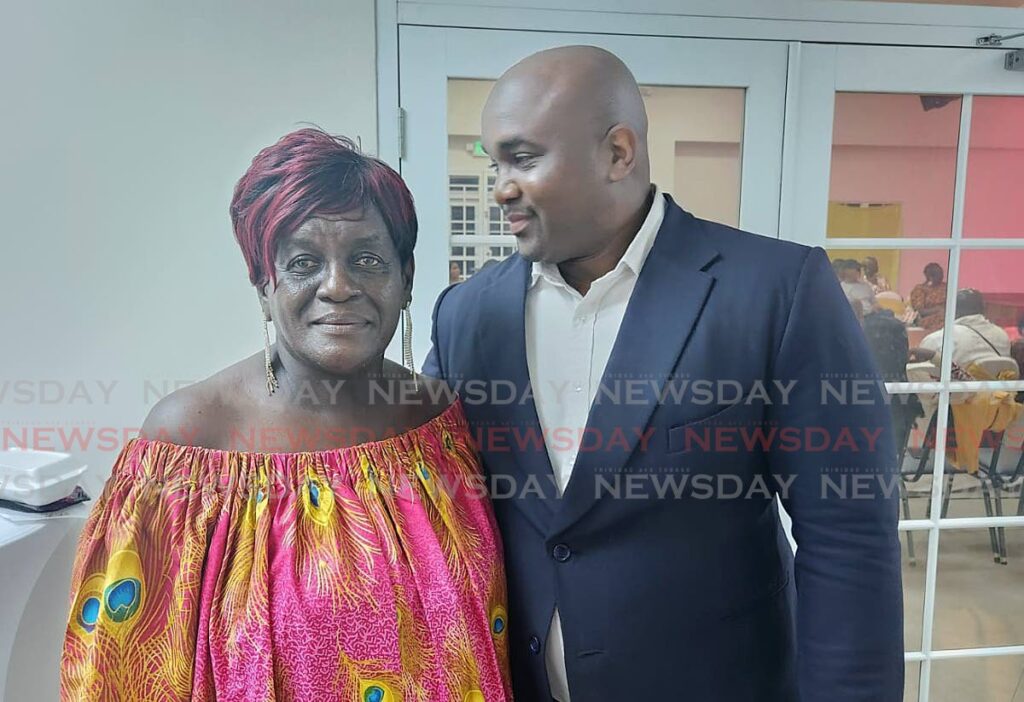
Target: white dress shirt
(569, 338)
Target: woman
(289, 534)
(929, 298)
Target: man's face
(550, 181)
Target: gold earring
(271, 378)
(407, 359)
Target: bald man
(616, 371)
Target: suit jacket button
(561, 553)
(534, 645)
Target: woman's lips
(341, 324)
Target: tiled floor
(978, 602)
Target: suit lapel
(503, 329)
(662, 312)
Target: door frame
(836, 21)
(459, 53)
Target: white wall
(125, 126)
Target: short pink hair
(308, 173)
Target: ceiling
(985, 3)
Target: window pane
(912, 680)
(994, 206)
(696, 142)
(971, 488)
(989, 314)
(914, 572)
(995, 679)
(978, 601)
(893, 282)
(893, 165)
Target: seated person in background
(856, 289)
(929, 298)
(887, 338)
(872, 277)
(974, 336)
(1017, 354)
(837, 266)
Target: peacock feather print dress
(371, 573)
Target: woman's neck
(310, 388)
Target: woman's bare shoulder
(198, 414)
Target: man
(974, 336)
(626, 580)
(857, 290)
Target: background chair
(891, 301)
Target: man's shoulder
(749, 253)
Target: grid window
(927, 244)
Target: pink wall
(888, 149)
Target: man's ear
(408, 273)
(622, 142)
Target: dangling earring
(407, 343)
(271, 378)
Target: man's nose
(505, 190)
(338, 284)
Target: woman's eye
(303, 264)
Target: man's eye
(368, 260)
(303, 264)
(523, 159)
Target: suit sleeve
(433, 365)
(843, 501)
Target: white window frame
(820, 72)
(801, 22)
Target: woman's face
(340, 290)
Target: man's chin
(531, 250)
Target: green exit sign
(478, 149)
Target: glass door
(716, 113)
(907, 170)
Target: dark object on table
(77, 495)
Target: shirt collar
(635, 255)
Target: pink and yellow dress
(371, 573)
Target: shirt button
(534, 645)
(578, 388)
(579, 321)
(561, 553)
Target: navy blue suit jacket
(665, 555)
